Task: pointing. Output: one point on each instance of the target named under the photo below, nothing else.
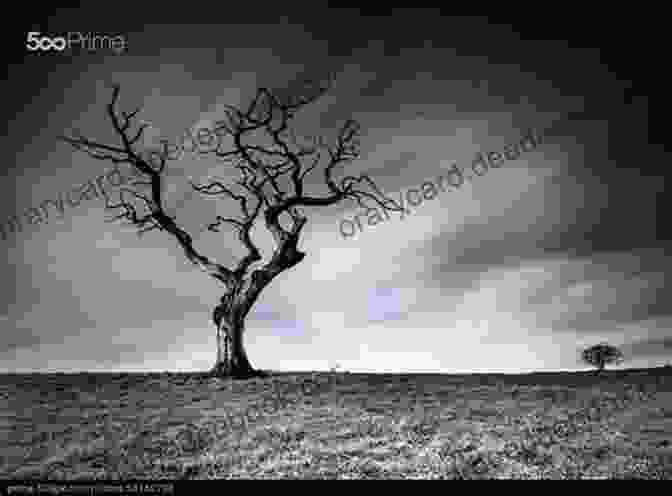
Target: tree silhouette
(263, 150)
(600, 355)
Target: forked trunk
(229, 315)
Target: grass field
(326, 425)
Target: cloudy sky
(517, 270)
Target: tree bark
(600, 368)
(229, 316)
(232, 360)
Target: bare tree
(265, 153)
(601, 354)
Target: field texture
(327, 425)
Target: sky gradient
(516, 271)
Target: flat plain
(569, 425)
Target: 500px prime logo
(88, 41)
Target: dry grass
(106, 426)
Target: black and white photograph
(309, 242)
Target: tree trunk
(599, 369)
(232, 359)
(229, 315)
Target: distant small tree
(600, 355)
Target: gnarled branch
(156, 217)
(262, 165)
